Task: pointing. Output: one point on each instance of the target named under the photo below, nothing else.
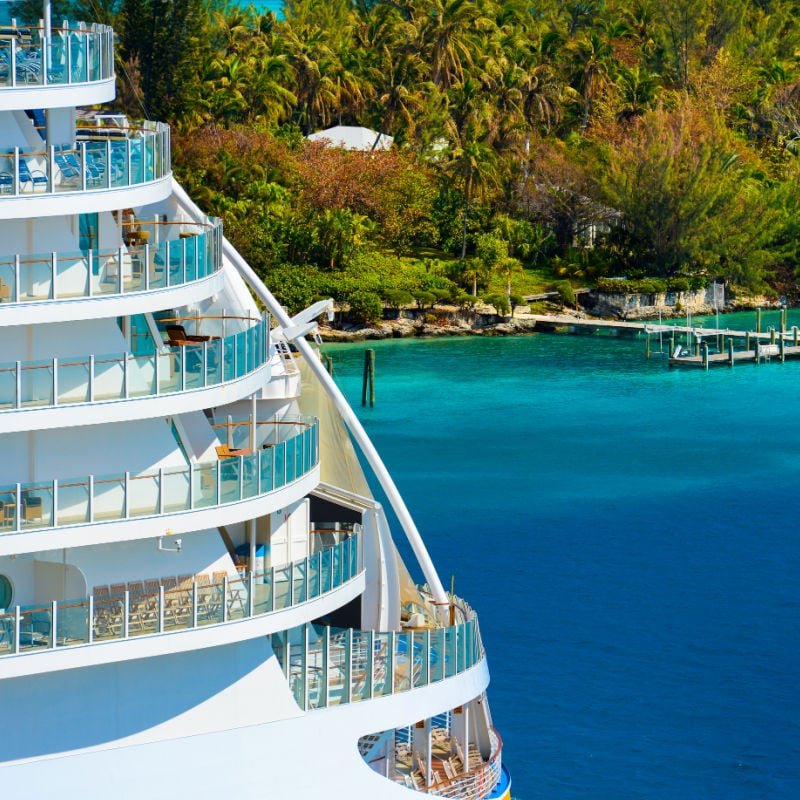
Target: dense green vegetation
(664, 134)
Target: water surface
(628, 535)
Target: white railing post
(194, 604)
(241, 477)
(91, 378)
(183, 259)
(90, 499)
(291, 584)
(51, 168)
(55, 502)
(54, 382)
(161, 609)
(205, 364)
(326, 657)
(126, 612)
(348, 666)
(45, 59)
(128, 179)
(390, 658)
(18, 509)
(126, 493)
(84, 181)
(53, 276)
(219, 484)
(157, 370)
(108, 163)
(17, 626)
(13, 61)
(272, 588)
(90, 620)
(161, 490)
(369, 668)
(182, 351)
(120, 281)
(15, 170)
(147, 266)
(53, 623)
(125, 375)
(18, 387)
(89, 267)
(251, 584)
(306, 670)
(225, 599)
(16, 278)
(191, 484)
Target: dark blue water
(628, 535)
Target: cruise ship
(199, 594)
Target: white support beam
(348, 415)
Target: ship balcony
(199, 372)
(454, 770)
(108, 167)
(72, 65)
(328, 667)
(157, 265)
(243, 483)
(150, 608)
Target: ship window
(5, 592)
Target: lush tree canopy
(592, 138)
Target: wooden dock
(702, 347)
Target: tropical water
(628, 536)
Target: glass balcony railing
(58, 504)
(108, 158)
(59, 382)
(72, 54)
(129, 269)
(153, 607)
(330, 666)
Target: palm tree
(591, 70)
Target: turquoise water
(628, 535)
(276, 6)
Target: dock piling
(731, 357)
(369, 378)
(758, 320)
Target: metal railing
(476, 783)
(137, 157)
(328, 666)
(72, 54)
(124, 270)
(89, 379)
(59, 504)
(192, 603)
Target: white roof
(351, 137)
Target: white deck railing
(130, 269)
(72, 54)
(90, 379)
(59, 504)
(156, 608)
(328, 666)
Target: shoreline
(450, 323)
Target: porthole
(5, 592)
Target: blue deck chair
(35, 178)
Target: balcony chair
(31, 508)
(34, 178)
(179, 338)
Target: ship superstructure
(198, 591)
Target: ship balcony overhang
(244, 483)
(202, 371)
(153, 617)
(69, 65)
(107, 167)
(157, 265)
(454, 771)
(329, 667)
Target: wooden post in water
(758, 320)
(731, 359)
(369, 378)
(327, 360)
(647, 345)
(721, 346)
(697, 346)
(704, 349)
(671, 345)
(783, 319)
(782, 342)
(747, 341)
(794, 334)
(772, 336)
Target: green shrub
(397, 298)
(515, 300)
(425, 299)
(566, 292)
(365, 306)
(500, 303)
